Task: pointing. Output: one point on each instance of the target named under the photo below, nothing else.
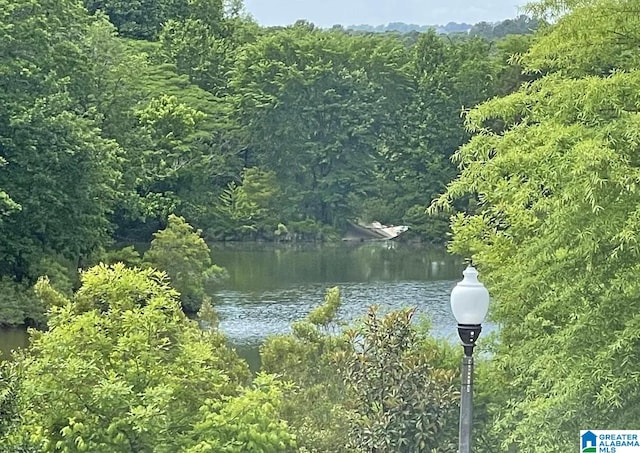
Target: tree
(185, 257)
(554, 169)
(247, 423)
(178, 144)
(381, 385)
(521, 25)
(7, 205)
(400, 401)
(123, 369)
(311, 105)
(251, 208)
(173, 131)
(447, 77)
(510, 74)
(144, 19)
(60, 173)
(199, 52)
(314, 403)
(18, 305)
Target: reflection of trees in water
(271, 287)
(12, 338)
(247, 317)
(261, 267)
(390, 261)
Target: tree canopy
(116, 115)
(121, 368)
(554, 170)
(173, 123)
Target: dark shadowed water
(12, 338)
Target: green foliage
(123, 369)
(174, 151)
(62, 176)
(197, 52)
(583, 44)
(326, 313)
(424, 226)
(128, 255)
(554, 168)
(311, 104)
(520, 26)
(446, 78)
(441, 353)
(18, 305)
(246, 423)
(60, 273)
(178, 145)
(251, 208)
(384, 385)
(9, 407)
(117, 114)
(62, 172)
(207, 315)
(168, 121)
(311, 230)
(204, 47)
(185, 257)
(509, 53)
(144, 19)
(313, 403)
(400, 402)
(7, 205)
(171, 128)
(134, 289)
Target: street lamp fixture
(469, 304)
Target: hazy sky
(326, 13)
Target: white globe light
(470, 299)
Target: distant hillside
(451, 27)
(521, 25)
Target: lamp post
(469, 304)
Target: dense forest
(116, 115)
(173, 123)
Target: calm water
(272, 286)
(12, 338)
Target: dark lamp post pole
(469, 304)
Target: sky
(325, 13)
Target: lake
(271, 286)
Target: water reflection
(248, 317)
(267, 267)
(271, 287)
(12, 338)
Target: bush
(399, 400)
(123, 369)
(180, 251)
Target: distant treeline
(521, 25)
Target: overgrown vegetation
(117, 115)
(121, 368)
(172, 123)
(554, 169)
